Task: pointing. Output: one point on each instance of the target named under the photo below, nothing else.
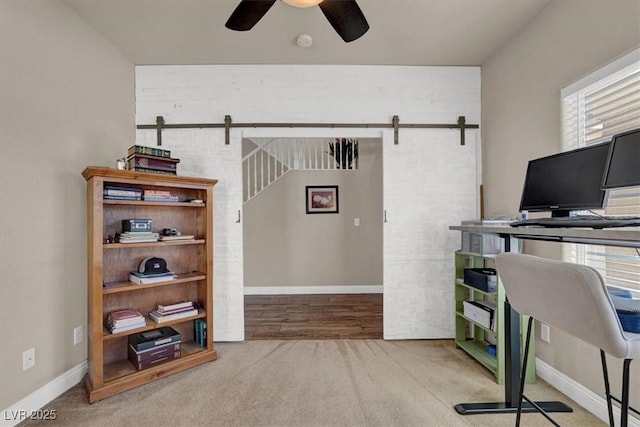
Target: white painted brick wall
(331, 94)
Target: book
(153, 162)
(161, 198)
(147, 275)
(159, 317)
(109, 197)
(125, 326)
(122, 191)
(177, 310)
(157, 171)
(156, 361)
(200, 332)
(481, 312)
(174, 238)
(122, 188)
(115, 330)
(154, 338)
(176, 306)
(147, 240)
(124, 314)
(157, 193)
(137, 237)
(152, 353)
(152, 279)
(121, 318)
(141, 149)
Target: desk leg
(512, 371)
(511, 377)
(511, 355)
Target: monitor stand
(560, 213)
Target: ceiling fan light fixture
(302, 3)
(345, 16)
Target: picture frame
(322, 199)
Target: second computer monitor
(623, 163)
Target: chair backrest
(568, 296)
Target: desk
(624, 237)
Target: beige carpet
(314, 383)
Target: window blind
(593, 110)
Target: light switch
(356, 222)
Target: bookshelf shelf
(475, 324)
(127, 286)
(123, 370)
(108, 246)
(109, 266)
(106, 335)
(163, 204)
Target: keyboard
(580, 221)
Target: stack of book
(137, 237)
(149, 159)
(166, 313)
(151, 348)
(159, 196)
(121, 193)
(145, 279)
(124, 320)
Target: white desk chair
(573, 298)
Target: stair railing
(274, 157)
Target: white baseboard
(589, 400)
(306, 290)
(24, 408)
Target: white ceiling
(403, 32)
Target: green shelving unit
(474, 338)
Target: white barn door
(430, 183)
(203, 153)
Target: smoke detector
(304, 40)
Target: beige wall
(67, 101)
(283, 246)
(521, 86)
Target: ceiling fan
(344, 16)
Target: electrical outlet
(356, 222)
(29, 359)
(77, 335)
(545, 332)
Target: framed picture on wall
(322, 199)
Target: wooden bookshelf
(109, 265)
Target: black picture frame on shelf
(322, 199)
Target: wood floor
(326, 316)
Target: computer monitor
(623, 164)
(566, 182)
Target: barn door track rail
(228, 124)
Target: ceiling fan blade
(248, 13)
(346, 18)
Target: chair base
(505, 408)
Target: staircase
(272, 158)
